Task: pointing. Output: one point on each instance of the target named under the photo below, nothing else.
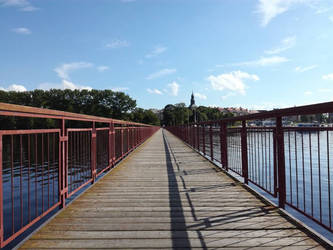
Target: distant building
(237, 111)
(192, 102)
(193, 107)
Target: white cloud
(102, 68)
(119, 89)
(308, 93)
(232, 81)
(286, 44)
(65, 84)
(22, 31)
(155, 91)
(228, 95)
(331, 18)
(307, 68)
(70, 85)
(156, 51)
(17, 87)
(14, 87)
(328, 77)
(22, 5)
(65, 68)
(161, 73)
(116, 43)
(263, 61)
(269, 9)
(200, 96)
(324, 90)
(174, 88)
(322, 10)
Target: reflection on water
(102, 141)
(30, 178)
(79, 159)
(308, 162)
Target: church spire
(192, 100)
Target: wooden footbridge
(140, 186)
(165, 195)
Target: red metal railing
(291, 163)
(40, 168)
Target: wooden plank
(175, 243)
(167, 196)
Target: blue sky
(258, 54)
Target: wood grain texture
(167, 196)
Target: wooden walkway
(167, 196)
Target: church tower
(192, 104)
(193, 107)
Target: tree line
(105, 103)
(179, 114)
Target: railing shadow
(176, 210)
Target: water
(308, 166)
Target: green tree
(169, 118)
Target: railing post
(132, 138)
(93, 152)
(211, 141)
(244, 152)
(187, 134)
(203, 138)
(281, 162)
(275, 171)
(63, 172)
(192, 135)
(198, 137)
(1, 196)
(111, 144)
(224, 145)
(122, 140)
(128, 139)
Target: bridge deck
(167, 196)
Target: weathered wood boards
(167, 196)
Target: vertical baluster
(211, 141)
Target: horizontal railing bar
(326, 107)
(79, 129)
(29, 131)
(26, 111)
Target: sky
(256, 54)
